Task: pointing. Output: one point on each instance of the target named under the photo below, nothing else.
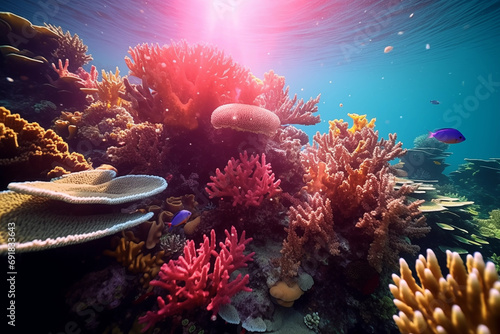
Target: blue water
(330, 47)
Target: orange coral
(111, 88)
(128, 252)
(31, 152)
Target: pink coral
(192, 282)
(247, 181)
(182, 83)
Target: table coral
(187, 82)
(246, 181)
(35, 153)
(195, 281)
(466, 301)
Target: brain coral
(245, 117)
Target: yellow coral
(110, 89)
(359, 122)
(285, 295)
(129, 253)
(31, 152)
(466, 301)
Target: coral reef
(29, 152)
(192, 281)
(247, 181)
(41, 210)
(347, 172)
(466, 301)
(490, 227)
(479, 181)
(70, 47)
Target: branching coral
(195, 281)
(111, 88)
(246, 180)
(290, 111)
(347, 171)
(187, 82)
(70, 47)
(466, 301)
(310, 227)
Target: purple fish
(180, 217)
(447, 135)
(435, 102)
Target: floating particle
(400, 32)
(411, 15)
(341, 105)
(427, 46)
(388, 49)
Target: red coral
(247, 181)
(191, 283)
(290, 111)
(187, 82)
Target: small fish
(435, 102)
(180, 218)
(447, 135)
(437, 162)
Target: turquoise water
(441, 50)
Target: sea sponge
(285, 295)
(245, 117)
(467, 301)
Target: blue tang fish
(435, 102)
(447, 135)
(180, 218)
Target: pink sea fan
(247, 181)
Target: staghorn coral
(193, 281)
(70, 47)
(466, 301)
(290, 111)
(182, 84)
(111, 88)
(30, 152)
(246, 180)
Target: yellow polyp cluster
(466, 301)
